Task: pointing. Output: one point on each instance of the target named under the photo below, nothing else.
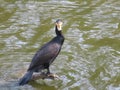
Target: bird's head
(59, 24)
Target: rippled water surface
(90, 57)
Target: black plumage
(45, 55)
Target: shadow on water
(90, 57)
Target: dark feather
(44, 56)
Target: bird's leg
(46, 66)
(48, 71)
(51, 75)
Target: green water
(90, 56)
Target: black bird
(45, 55)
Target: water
(90, 57)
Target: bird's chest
(54, 49)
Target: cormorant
(45, 55)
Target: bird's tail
(26, 78)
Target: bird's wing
(45, 55)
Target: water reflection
(90, 57)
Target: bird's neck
(58, 33)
